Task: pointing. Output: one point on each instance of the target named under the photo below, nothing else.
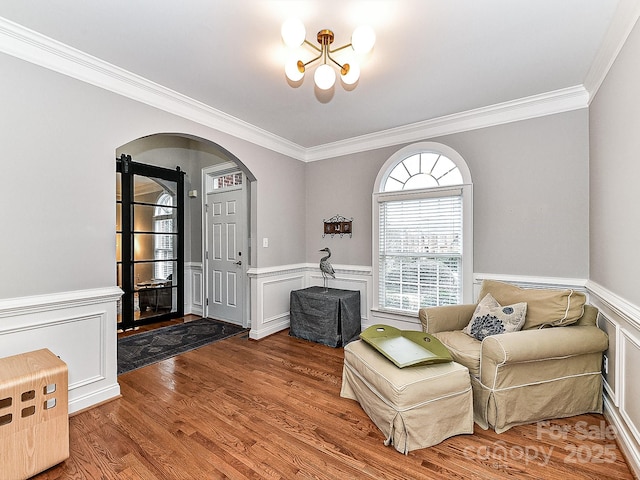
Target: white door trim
(208, 174)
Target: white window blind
(163, 248)
(420, 252)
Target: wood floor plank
(271, 409)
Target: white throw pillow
(491, 318)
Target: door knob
(239, 262)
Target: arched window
(163, 222)
(423, 229)
(423, 170)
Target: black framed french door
(149, 242)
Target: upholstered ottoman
(414, 407)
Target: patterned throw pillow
(490, 318)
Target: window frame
(466, 191)
(163, 211)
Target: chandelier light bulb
(353, 74)
(293, 33)
(324, 77)
(292, 71)
(363, 39)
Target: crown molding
(559, 101)
(33, 47)
(624, 19)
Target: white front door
(225, 259)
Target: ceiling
(432, 58)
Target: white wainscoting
(193, 289)
(621, 321)
(271, 289)
(79, 327)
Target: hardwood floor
(271, 409)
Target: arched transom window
(422, 244)
(423, 170)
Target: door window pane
(148, 242)
(151, 246)
(145, 218)
(149, 189)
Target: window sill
(407, 320)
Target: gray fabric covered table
(330, 317)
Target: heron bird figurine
(326, 268)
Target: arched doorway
(193, 155)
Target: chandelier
(293, 35)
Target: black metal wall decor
(338, 225)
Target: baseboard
(270, 329)
(94, 398)
(624, 438)
(94, 405)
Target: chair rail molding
(52, 301)
(527, 281)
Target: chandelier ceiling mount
(293, 34)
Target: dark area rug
(139, 350)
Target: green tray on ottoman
(406, 348)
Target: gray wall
(279, 211)
(531, 197)
(615, 170)
(59, 140)
(530, 188)
(531, 214)
(343, 186)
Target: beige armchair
(549, 369)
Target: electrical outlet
(605, 364)
(265, 242)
